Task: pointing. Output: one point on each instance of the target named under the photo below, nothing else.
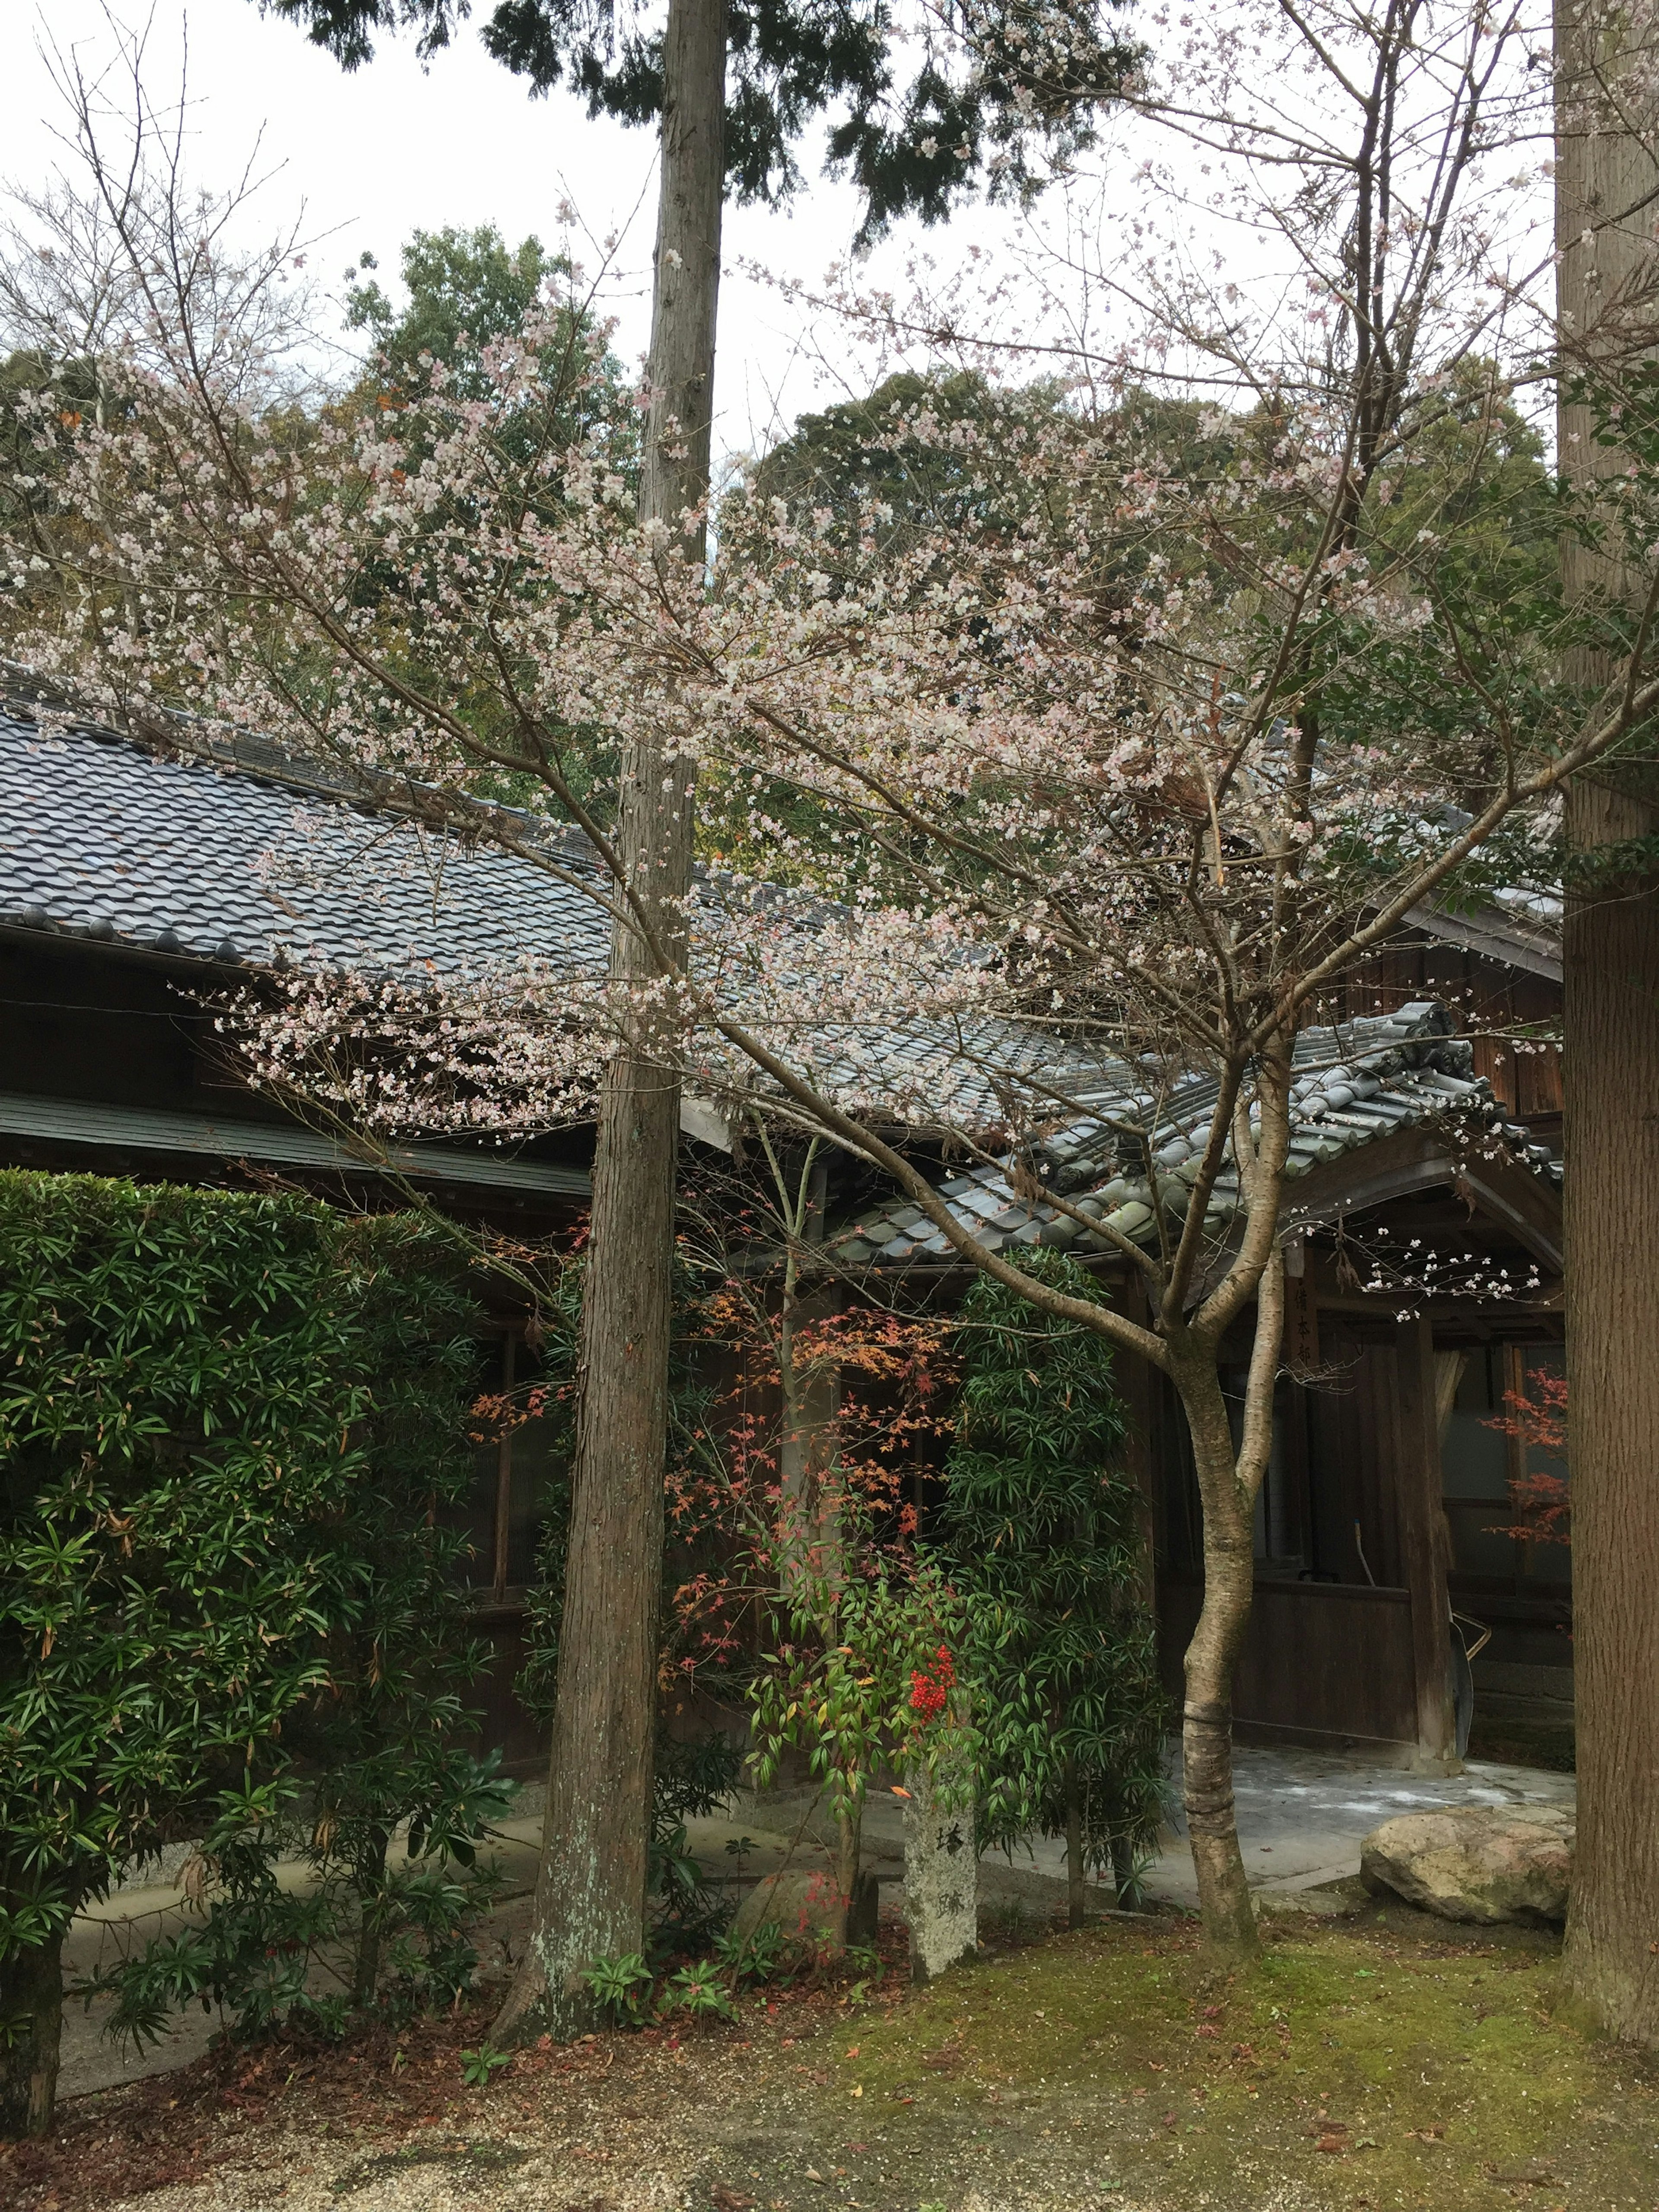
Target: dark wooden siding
(1491, 1001)
(1324, 1662)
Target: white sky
(393, 149)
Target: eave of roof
(128, 1129)
(1495, 934)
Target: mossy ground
(1384, 2061)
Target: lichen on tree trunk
(1206, 1712)
(1229, 1478)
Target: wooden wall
(1324, 1662)
(1491, 1001)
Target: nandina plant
(861, 1680)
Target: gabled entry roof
(1367, 1079)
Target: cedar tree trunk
(31, 2016)
(1605, 183)
(591, 1893)
(1612, 1084)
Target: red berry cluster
(931, 1691)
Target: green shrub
(1041, 1530)
(231, 1447)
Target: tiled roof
(1366, 1079)
(244, 860)
(101, 839)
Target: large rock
(1478, 1863)
(807, 1907)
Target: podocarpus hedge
(230, 1429)
(1040, 1528)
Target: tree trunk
(1207, 1730)
(371, 1907)
(1073, 1849)
(1123, 1872)
(1606, 180)
(1611, 1066)
(31, 2015)
(591, 1893)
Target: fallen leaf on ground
(945, 2059)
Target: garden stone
(1475, 1862)
(808, 1908)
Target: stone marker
(1478, 1863)
(941, 1880)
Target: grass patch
(1387, 2062)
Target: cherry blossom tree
(1078, 800)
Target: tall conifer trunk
(31, 2015)
(591, 1894)
(1606, 184)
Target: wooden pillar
(1423, 1540)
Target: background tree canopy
(911, 148)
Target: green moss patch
(1383, 2063)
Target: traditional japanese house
(135, 889)
(138, 886)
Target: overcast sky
(394, 148)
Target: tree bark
(1207, 1719)
(1611, 1070)
(1422, 1545)
(31, 2014)
(1123, 1872)
(371, 1906)
(1606, 179)
(591, 1893)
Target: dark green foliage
(363, 1932)
(690, 1778)
(1042, 1527)
(1021, 77)
(233, 1436)
(466, 289)
(943, 453)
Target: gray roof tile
(100, 838)
(1398, 1069)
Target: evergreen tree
(1044, 1527)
